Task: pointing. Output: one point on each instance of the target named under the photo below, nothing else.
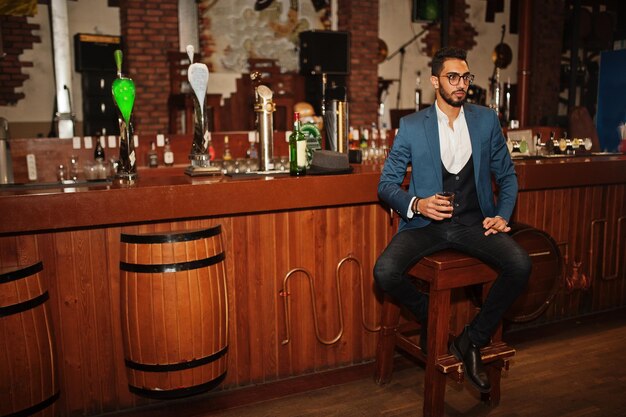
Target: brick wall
(149, 30)
(16, 36)
(547, 41)
(360, 18)
(461, 33)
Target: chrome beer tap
(264, 107)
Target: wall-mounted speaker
(95, 52)
(324, 52)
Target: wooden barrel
(174, 312)
(28, 380)
(544, 278)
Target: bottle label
(168, 158)
(301, 153)
(153, 160)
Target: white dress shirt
(454, 144)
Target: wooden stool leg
(438, 326)
(494, 370)
(386, 341)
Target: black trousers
(500, 251)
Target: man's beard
(451, 100)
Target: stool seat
(443, 271)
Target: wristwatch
(415, 206)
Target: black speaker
(324, 52)
(95, 52)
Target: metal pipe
(523, 66)
(62, 67)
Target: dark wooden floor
(574, 370)
(569, 369)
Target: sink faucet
(6, 165)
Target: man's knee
(384, 274)
(521, 267)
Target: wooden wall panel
(584, 221)
(81, 269)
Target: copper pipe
(523, 63)
(285, 293)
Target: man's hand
(435, 207)
(495, 225)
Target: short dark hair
(449, 52)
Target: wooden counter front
(269, 226)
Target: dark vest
(466, 207)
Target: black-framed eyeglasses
(454, 78)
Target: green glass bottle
(297, 149)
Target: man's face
(454, 95)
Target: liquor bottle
(563, 143)
(555, 144)
(540, 147)
(365, 136)
(418, 91)
(297, 149)
(384, 148)
(251, 152)
(354, 138)
(168, 155)
(226, 156)
(98, 153)
(153, 158)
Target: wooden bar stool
(443, 272)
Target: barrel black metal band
(21, 273)
(180, 366)
(35, 408)
(180, 266)
(23, 306)
(172, 237)
(178, 392)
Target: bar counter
(165, 193)
(290, 244)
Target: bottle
(168, 155)
(373, 146)
(98, 153)
(251, 152)
(297, 149)
(384, 148)
(226, 156)
(555, 143)
(365, 137)
(563, 144)
(354, 138)
(153, 158)
(418, 91)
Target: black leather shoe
(468, 353)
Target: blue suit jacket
(417, 143)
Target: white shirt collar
(441, 116)
(454, 143)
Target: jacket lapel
(473, 127)
(431, 127)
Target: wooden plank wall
(81, 271)
(589, 225)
